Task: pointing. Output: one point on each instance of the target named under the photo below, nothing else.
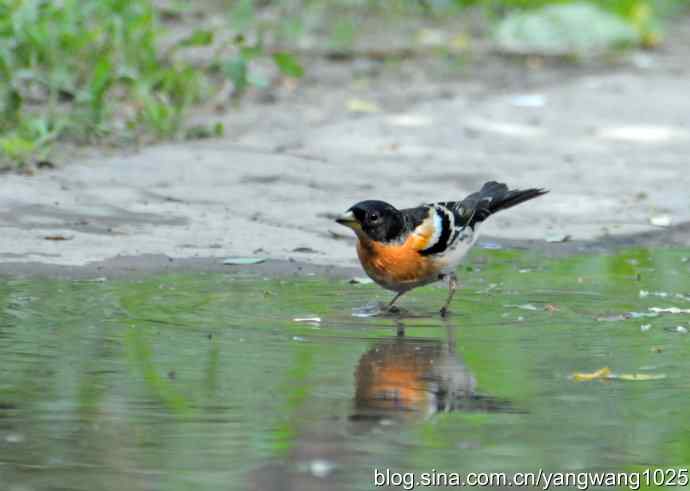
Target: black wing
(453, 220)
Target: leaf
(288, 65)
(244, 260)
(250, 52)
(605, 374)
(237, 70)
(361, 106)
(200, 37)
(602, 373)
(242, 15)
(57, 237)
(565, 29)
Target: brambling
(403, 249)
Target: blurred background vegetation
(123, 72)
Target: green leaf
(242, 15)
(288, 65)
(199, 37)
(236, 70)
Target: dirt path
(611, 144)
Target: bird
(404, 249)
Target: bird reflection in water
(398, 379)
(403, 379)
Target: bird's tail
(494, 197)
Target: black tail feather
(494, 197)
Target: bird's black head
(377, 220)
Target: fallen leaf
(242, 261)
(57, 237)
(362, 106)
(602, 373)
(606, 374)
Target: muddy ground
(610, 139)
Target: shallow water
(205, 382)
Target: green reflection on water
(204, 381)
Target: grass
(115, 71)
(74, 68)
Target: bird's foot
(444, 312)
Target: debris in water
(297, 338)
(645, 327)
(550, 307)
(360, 280)
(637, 377)
(669, 310)
(308, 320)
(318, 468)
(682, 329)
(14, 438)
(626, 316)
(602, 373)
(526, 306)
(606, 374)
(490, 245)
(647, 293)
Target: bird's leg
(400, 329)
(390, 307)
(452, 284)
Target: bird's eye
(374, 216)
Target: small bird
(403, 249)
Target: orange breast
(398, 266)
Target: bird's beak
(348, 219)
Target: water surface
(205, 382)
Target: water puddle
(222, 381)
